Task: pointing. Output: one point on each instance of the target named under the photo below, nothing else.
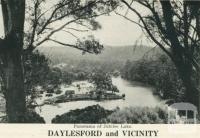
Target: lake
(136, 95)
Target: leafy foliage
(36, 67)
(160, 73)
(103, 81)
(138, 115)
(174, 27)
(90, 114)
(33, 117)
(28, 117)
(97, 114)
(41, 17)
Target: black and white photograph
(100, 61)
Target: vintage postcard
(99, 68)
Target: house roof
(183, 106)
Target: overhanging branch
(170, 28)
(147, 30)
(63, 26)
(35, 24)
(48, 21)
(51, 20)
(54, 31)
(70, 33)
(129, 19)
(70, 45)
(78, 30)
(155, 15)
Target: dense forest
(135, 63)
(72, 58)
(160, 73)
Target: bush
(33, 117)
(29, 117)
(138, 115)
(90, 114)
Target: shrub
(90, 114)
(138, 115)
(29, 117)
(33, 117)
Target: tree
(115, 89)
(174, 27)
(11, 60)
(101, 80)
(41, 17)
(160, 73)
(36, 71)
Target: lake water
(136, 95)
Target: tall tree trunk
(11, 54)
(197, 16)
(14, 85)
(185, 72)
(192, 92)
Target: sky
(115, 31)
(1, 24)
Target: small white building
(182, 113)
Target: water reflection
(136, 95)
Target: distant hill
(121, 54)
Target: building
(182, 113)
